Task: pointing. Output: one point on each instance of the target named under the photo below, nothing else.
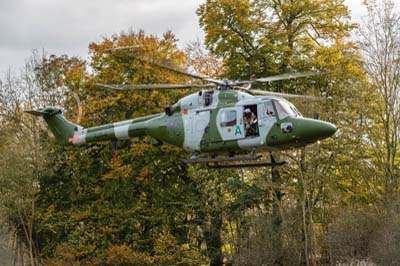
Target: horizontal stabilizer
(44, 111)
(38, 112)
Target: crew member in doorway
(250, 121)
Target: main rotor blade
(183, 72)
(279, 77)
(122, 48)
(165, 66)
(156, 86)
(284, 95)
(286, 76)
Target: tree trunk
(276, 214)
(212, 236)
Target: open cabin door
(230, 123)
(195, 124)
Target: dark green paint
(304, 131)
(59, 126)
(112, 125)
(227, 97)
(168, 129)
(101, 135)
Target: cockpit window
(295, 110)
(285, 109)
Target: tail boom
(69, 133)
(61, 128)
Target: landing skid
(234, 162)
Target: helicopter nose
(327, 129)
(316, 129)
(302, 131)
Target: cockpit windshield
(285, 109)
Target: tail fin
(63, 130)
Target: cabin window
(228, 118)
(208, 98)
(269, 109)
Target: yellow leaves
(168, 252)
(185, 246)
(122, 255)
(65, 255)
(345, 184)
(82, 215)
(76, 73)
(165, 244)
(145, 173)
(170, 149)
(131, 66)
(199, 58)
(226, 248)
(139, 149)
(118, 170)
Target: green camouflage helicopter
(223, 118)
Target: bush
(364, 234)
(351, 234)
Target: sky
(68, 26)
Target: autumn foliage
(134, 203)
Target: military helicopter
(221, 118)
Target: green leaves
(138, 205)
(259, 38)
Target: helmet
(247, 111)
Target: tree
(133, 203)
(259, 38)
(380, 44)
(23, 161)
(199, 59)
(101, 203)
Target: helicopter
(220, 118)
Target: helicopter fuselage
(218, 121)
